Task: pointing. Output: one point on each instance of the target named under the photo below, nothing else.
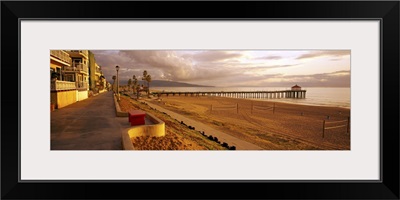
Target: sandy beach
(270, 125)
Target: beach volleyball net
(338, 124)
(262, 108)
(224, 107)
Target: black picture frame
(386, 11)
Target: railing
(62, 85)
(85, 52)
(81, 85)
(76, 67)
(62, 55)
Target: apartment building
(73, 73)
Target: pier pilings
(295, 94)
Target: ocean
(318, 96)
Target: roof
(296, 86)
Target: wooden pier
(296, 94)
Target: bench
(136, 117)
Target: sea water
(318, 96)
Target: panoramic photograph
(200, 100)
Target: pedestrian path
(223, 137)
(90, 124)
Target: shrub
(215, 139)
(210, 137)
(232, 148)
(225, 145)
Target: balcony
(76, 67)
(81, 85)
(98, 72)
(61, 55)
(79, 53)
(62, 85)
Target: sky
(231, 68)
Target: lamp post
(117, 68)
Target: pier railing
(297, 94)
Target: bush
(232, 148)
(210, 137)
(225, 145)
(215, 139)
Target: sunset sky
(231, 68)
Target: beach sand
(273, 127)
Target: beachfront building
(58, 60)
(73, 73)
(296, 88)
(78, 72)
(62, 91)
(97, 80)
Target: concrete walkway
(223, 137)
(90, 124)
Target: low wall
(82, 95)
(118, 111)
(63, 98)
(155, 130)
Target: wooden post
(323, 129)
(348, 125)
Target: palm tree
(134, 82)
(147, 77)
(129, 84)
(134, 85)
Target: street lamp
(117, 68)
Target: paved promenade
(223, 137)
(90, 124)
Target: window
(69, 77)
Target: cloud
(165, 65)
(270, 58)
(215, 56)
(266, 67)
(335, 54)
(332, 79)
(216, 68)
